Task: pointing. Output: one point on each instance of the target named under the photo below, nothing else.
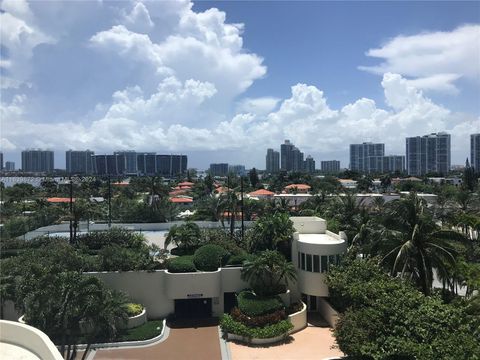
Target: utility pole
(241, 205)
(109, 202)
(71, 208)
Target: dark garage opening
(193, 308)
(229, 302)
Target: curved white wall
(28, 338)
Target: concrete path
(183, 343)
(315, 342)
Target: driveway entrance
(193, 308)
(198, 341)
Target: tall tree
(413, 245)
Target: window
(303, 261)
(337, 258)
(324, 263)
(309, 262)
(316, 263)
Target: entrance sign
(194, 296)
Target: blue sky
(222, 81)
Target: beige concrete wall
(312, 283)
(231, 279)
(157, 290)
(29, 338)
(299, 319)
(328, 313)
(309, 224)
(321, 249)
(185, 285)
(147, 288)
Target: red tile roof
(57, 200)
(123, 183)
(181, 200)
(298, 186)
(262, 192)
(186, 183)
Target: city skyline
(241, 93)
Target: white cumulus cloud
(434, 60)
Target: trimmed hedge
(229, 325)
(239, 259)
(210, 257)
(258, 321)
(252, 305)
(181, 264)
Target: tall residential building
(127, 160)
(171, 165)
(105, 165)
(330, 166)
(393, 163)
(297, 156)
(286, 153)
(367, 157)
(146, 163)
(475, 152)
(238, 170)
(220, 169)
(79, 162)
(10, 166)
(272, 161)
(428, 154)
(1, 160)
(291, 158)
(309, 165)
(37, 160)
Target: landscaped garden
(261, 313)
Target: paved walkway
(183, 343)
(313, 343)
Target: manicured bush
(133, 309)
(258, 321)
(181, 251)
(182, 264)
(229, 325)
(210, 257)
(239, 259)
(252, 305)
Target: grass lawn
(144, 332)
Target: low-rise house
(261, 194)
(348, 183)
(297, 188)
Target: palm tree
(186, 236)
(413, 245)
(272, 232)
(268, 273)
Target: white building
(314, 250)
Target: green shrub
(252, 305)
(133, 309)
(229, 325)
(181, 251)
(239, 259)
(210, 257)
(258, 321)
(182, 264)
